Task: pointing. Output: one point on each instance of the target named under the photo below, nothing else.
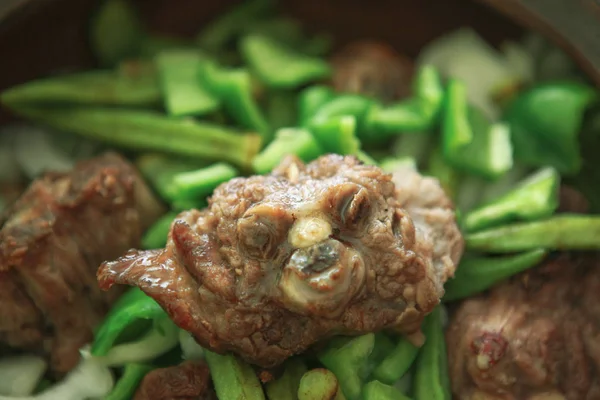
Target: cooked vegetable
(534, 198)
(281, 109)
(376, 390)
(116, 32)
(545, 122)
(319, 384)
(127, 384)
(476, 274)
(20, 374)
(311, 100)
(155, 237)
(134, 84)
(342, 105)
(431, 379)
(144, 130)
(200, 183)
(347, 358)
(279, 66)
(132, 307)
(396, 363)
(336, 135)
(287, 141)
(233, 87)
(560, 232)
(286, 387)
(233, 378)
(179, 71)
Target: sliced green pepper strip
(347, 359)
(535, 197)
(287, 141)
(281, 109)
(310, 101)
(345, 104)
(417, 114)
(319, 384)
(200, 183)
(144, 130)
(183, 90)
(396, 363)
(476, 274)
(561, 232)
(127, 385)
(227, 27)
(116, 32)
(126, 87)
(376, 390)
(337, 134)
(431, 379)
(233, 378)
(470, 141)
(155, 237)
(545, 122)
(286, 387)
(279, 66)
(234, 89)
(131, 307)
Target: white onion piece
(190, 349)
(20, 374)
(89, 380)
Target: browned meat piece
(51, 243)
(279, 262)
(534, 337)
(373, 69)
(188, 381)
(572, 201)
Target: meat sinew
(189, 380)
(51, 243)
(536, 336)
(372, 69)
(278, 262)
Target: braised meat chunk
(534, 337)
(189, 380)
(372, 69)
(51, 243)
(279, 262)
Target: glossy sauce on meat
(279, 262)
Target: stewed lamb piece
(278, 262)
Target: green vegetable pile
(251, 89)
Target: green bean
(135, 85)
(116, 32)
(234, 89)
(286, 387)
(287, 141)
(561, 232)
(128, 383)
(476, 274)
(376, 390)
(534, 198)
(347, 359)
(310, 101)
(336, 134)
(186, 204)
(156, 236)
(197, 184)
(184, 93)
(431, 380)
(319, 384)
(233, 378)
(396, 363)
(143, 130)
(279, 66)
